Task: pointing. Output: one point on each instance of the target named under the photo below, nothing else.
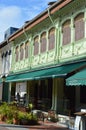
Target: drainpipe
(27, 40)
(50, 16)
(25, 33)
(53, 92)
(56, 29)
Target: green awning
(77, 79)
(58, 71)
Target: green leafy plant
(11, 114)
(27, 118)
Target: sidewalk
(42, 126)
(47, 126)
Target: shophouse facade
(5, 66)
(5, 63)
(45, 52)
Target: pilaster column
(72, 30)
(57, 94)
(57, 42)
(60, 42)
(72, 34)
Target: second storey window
(17, 53)
(43, 42)
(79, 27)
(66, 32)
(36, 45)
(51, 42)
(22, 52)
(26, 49)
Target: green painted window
(51, 40)
(43, 42)
(36, 45)
(79, 26)
(66, 33)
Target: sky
(13, 13)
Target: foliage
(27, 118)
(9, 112)
(30, 106)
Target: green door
(5, 92)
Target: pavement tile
(3, 128)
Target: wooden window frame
(26, 50)
(79, 25)
(51, 40)
(43, 43)
(36, 45)
(66, 32)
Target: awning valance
(58, 71)
(77, 79)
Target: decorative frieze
(66, 52)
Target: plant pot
(24, 122)
(15, 121)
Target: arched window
(36, 45)
(51, 42)
(17, 53)
(43, 42)
(21, 51)
(26, 49)
(66, 32)
(79, 26)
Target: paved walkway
(41, 126)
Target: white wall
(5, 64)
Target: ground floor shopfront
(43, 94)
(49, 94)
(46, 89)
